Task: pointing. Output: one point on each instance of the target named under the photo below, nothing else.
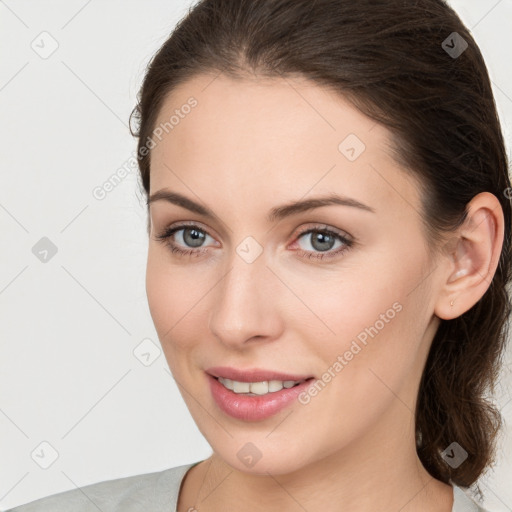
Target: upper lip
(253, 374)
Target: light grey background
(69, 327)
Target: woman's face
(257, 294)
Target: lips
(253, 374)
(246, 407)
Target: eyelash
(168, 232)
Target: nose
(246, 304)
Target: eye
(323, 240)
(192, 236)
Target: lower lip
(254, 408)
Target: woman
(329, 225)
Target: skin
(248, 146)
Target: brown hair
(392, 60)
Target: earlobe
(471, 265)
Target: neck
(379, 471)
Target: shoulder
(464, 502)
(156, 491)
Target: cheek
(166, 295)
(163, 299)
(347, 304)
(159, 290)
(177, 301)
(367, 320)
(365, 370)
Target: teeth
(275, 385)
(241, 387)
(257, 388)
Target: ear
(472, 257)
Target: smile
(257, 388)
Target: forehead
(281, 138)
(258, 115)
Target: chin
(277, 461)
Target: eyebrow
(275, 214)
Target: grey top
(153, 492)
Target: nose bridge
(244, 306)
